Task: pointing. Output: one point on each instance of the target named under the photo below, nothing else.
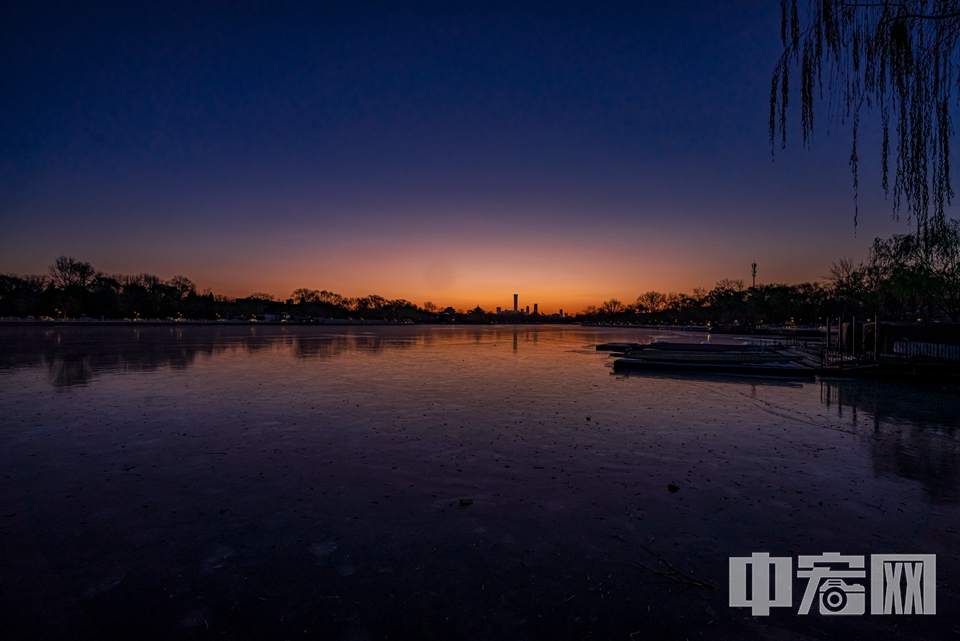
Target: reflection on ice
(922, 405)
(911, 430)
(74, 356)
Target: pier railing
(916, 350)
(788, 341)
(902, 351)
(831, 356)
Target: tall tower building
(535, 309)
(515, 297)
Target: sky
(452, 152)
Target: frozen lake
(273, 482)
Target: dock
(781, 370)
(781, 361)
(616, 347)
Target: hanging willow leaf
(897, 56)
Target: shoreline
(799, 332)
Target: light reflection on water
(337, 456)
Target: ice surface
(268, 480)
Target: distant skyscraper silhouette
(515, 297)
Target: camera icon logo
(839, 597)
(899, 583)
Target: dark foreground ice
(443, 482)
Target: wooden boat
(777, 369)
(661, 351)
(706, 347)
(718, 357)
(751, 360)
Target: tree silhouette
(305, 295)
(900, 57)
(67, 272)
(612, 306)
(924, 272)
(183, 286)
(651, 302)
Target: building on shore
(516, 311)
(521, 311)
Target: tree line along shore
(907, 278)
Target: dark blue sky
(457, 151)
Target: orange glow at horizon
(567, 276)
(558, 262)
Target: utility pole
(753, 269)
